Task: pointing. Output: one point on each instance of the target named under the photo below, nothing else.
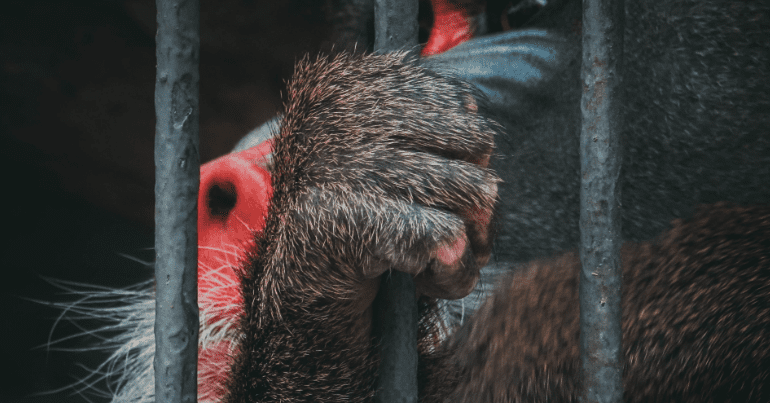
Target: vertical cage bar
(177, 178)
(395, 27)
(600, 161)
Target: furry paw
(381, 164)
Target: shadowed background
(77, 122)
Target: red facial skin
(225, 233)
(451, 27)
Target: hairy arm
(379, 165)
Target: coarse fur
(695, 320)
(361, 184)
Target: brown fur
(696, 320)
(373, 168)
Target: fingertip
(450, 255)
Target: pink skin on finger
(449, 255)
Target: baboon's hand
(382, 164)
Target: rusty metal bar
(177, 177)
(600, 161)
(395, 26)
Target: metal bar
(395, 27)
(600, 161)
(177, 177)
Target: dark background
(77, 123)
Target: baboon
(384, 162)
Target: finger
(452, 274)
(457, 187)
(375, 232)
(418, 177)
